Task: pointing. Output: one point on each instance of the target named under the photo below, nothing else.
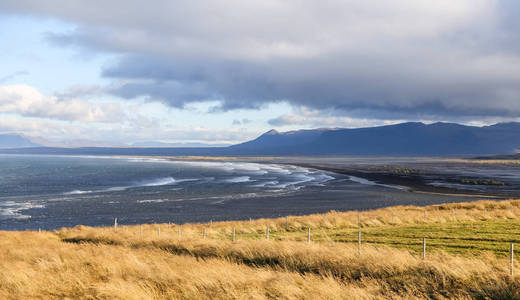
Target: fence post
(512, 258)
(233, 234)
(359, 243)
(267, 233)
(115, 224)
(169, 225)
(358, 219)
(204, 233)
(39, 230)
(309, 236)
(158, 231)
(179, 231)
(210, 223)
(249, 220)
(424, 248)
(393, 215)
(424, 215)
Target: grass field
(467, 257)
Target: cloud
(80, 92)
(304, 116)
(288, 119)
(241, 122)
(26, 101)
(118, 133)
(388, 60)
(65, 119)
(12, 76)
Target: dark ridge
(405, 139)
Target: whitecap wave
(286, 175)
(266, 183)
(159, 182)
(12, 209)
(77, 192)
(116, 189)
(152, 201)
(238, 179)
(147, 183)
(271, 177)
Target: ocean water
(50, 192)
(101, 187)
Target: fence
(471, 231)
(428, 242)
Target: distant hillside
(11, 140)
(515, 156)
(155, 144)
(411, 138)
(281, 141)
(401, 139)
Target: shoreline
(412, 183)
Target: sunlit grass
(467, 228)
(467, 247)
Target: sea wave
(146, 183)
(159, 182)
(266, 183)
(77, 192)
(295, 176)
(152, 200)
(238, 179)
(12, 209)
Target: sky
(223, 72)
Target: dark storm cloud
(398, 59)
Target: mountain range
(155, 144)
(411, 138)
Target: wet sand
(417, 174)
(414, 183)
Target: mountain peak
(272, 132)
(15, 140)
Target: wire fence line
(363, 236)
(362, 230)
(420, 242)
(422, 245)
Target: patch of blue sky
(26, 51)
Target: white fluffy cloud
(57, 133)
(304, 116)
(26, 101)
(65, 119)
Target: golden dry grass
(486, 161)
(100, 263)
